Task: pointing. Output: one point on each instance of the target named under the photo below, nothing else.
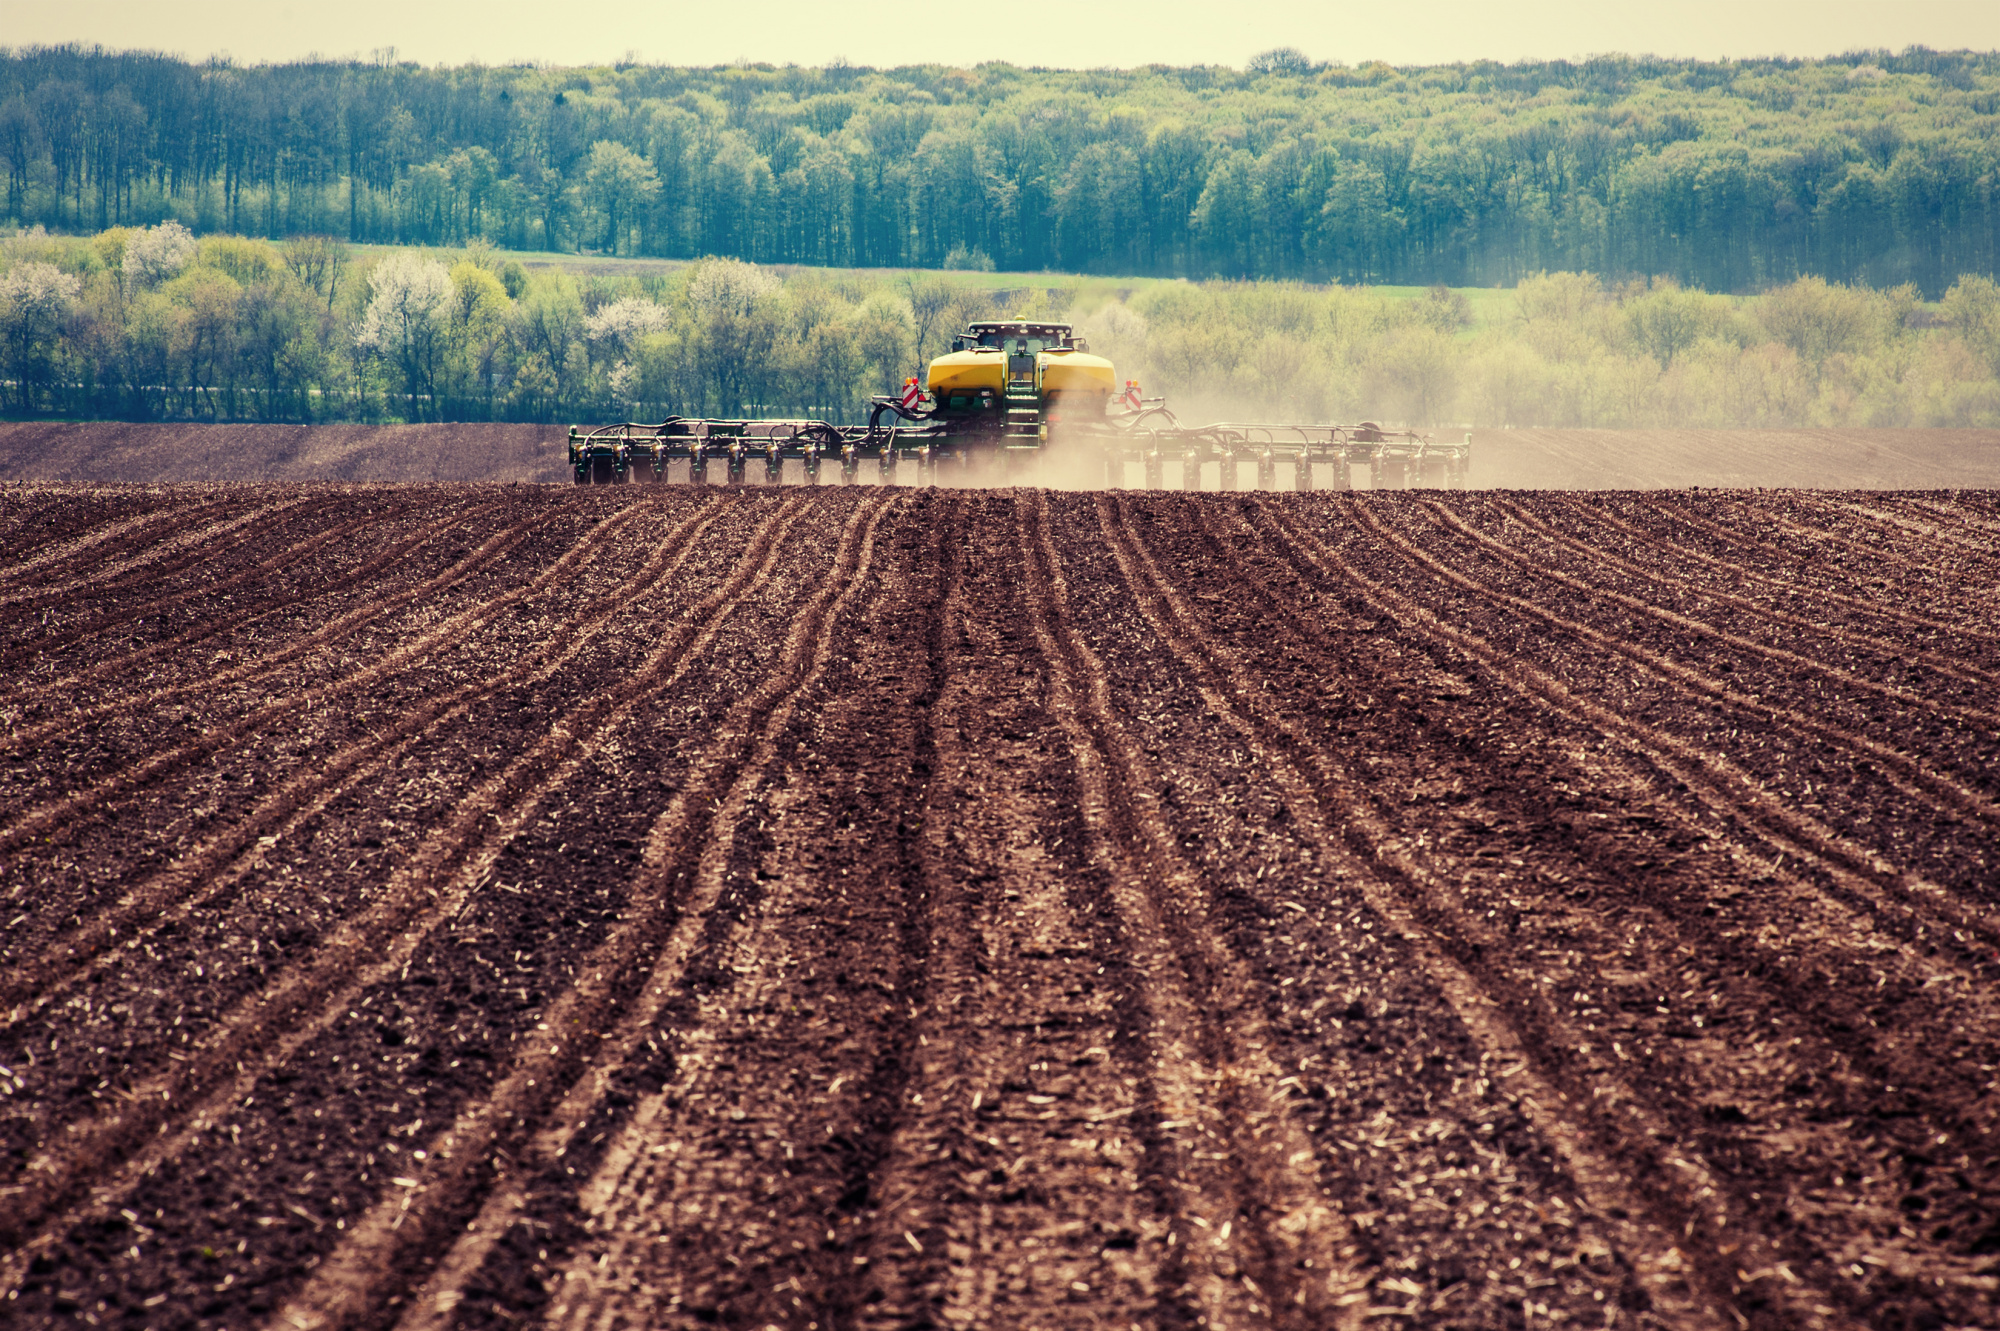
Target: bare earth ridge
(474, 906)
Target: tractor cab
(1019, 374)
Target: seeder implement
(1019, 403)
(1316, 456)
(739, 452)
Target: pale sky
(1082, 33)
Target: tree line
(155, 323)
(1730, 176)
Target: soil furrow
(268, 1026)
(1951, 511)
(753, 955)
(1697, 628)
(285, 661)
(150, 603)
(1439, 933)
(1725, 787)
(1514, 556)
(989, 1209)
(447, 634)
(1676, 583)
(282, 600)
(622, 992)
(1722, 947)
(1871, 622)
(1892, 544)
(1919, 780)
(453, 908)
(43, 651)
(1800, 575)
(193, 544)
(196, 879)
(1294, 1242)
(1891, 516)
(151, 527)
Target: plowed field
(482, 906)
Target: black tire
(603, 471)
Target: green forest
(155, 323)
(1873, 169)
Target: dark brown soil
(471, 906)
(153, 453)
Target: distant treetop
(1875, 166)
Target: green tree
(618, 184)
(34, 300)
(407, 324)
(1817, 319)
(1666, 321)
(1973, 307)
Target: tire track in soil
(34, 522)
(198, 877)
(727, 961)
(264, 666)
(119, 534)
(1861, 873)
(970, 1229)
(1906, 1060)
(1512, 555)
(1950, 511)
(124, 906)
(1919, 781)
(938, 1218)
(94, 800)
(149, 606)
(1963, 671)
(173, 520)
(1853, 900)
(1890, 515)
(264, 1030)
(850, 1256)
(358, 1277)
(1741, 574)
(1400, 889)
(1962, 755)
(1013, 930)
(1297, 1246)
(192, 544)
(1894, 548)
(1784, 558)
(241, 618)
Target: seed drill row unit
(1014, 402)
(1148, 447)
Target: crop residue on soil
(481, 906)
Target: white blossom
(624, 381)
(37, 292)
(410, 295)
(154, 254)
(729, 285)
(620, 325)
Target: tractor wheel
(603, 471)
